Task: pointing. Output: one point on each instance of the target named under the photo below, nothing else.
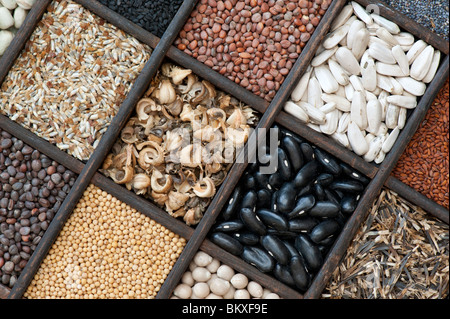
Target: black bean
(323, 230)
(252, 221)
(275, 180)
(307, 151)
(249, 200)
(283, 274)
(286, 197)
(284, 165)
(326, 209)
(272, 220)
(227, 242)
(299, 273)
(233, 204)
(246, 237)
(264, 197)
(259, 258)
(351, 186)
(302, 206)
(327, 161)
(293, 151)
(348, 204)
(307, 173)
(276, 248)
(310, 252)
(229, 226)
(302, 224)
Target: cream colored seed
(94, 258)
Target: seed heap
(69, 82)
(285, 223)
(32, 187)
(152, 15)
(425, 163)
(208, 278)
(252, 42)
(398, 253)
(106, 250)
(12, 16)
(363, 82)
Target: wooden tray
(270, 113)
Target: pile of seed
(432, 14)
(254, 43)
(399, 252)
(285, 223)
(106, 250)
(208, 278)
(152, 15)
(68, 83)
(32, 187)
(424, 165)
(12, 16)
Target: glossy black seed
(307, 151)
(227, 242)
(283, 274)
(259, 258)
(310, 252)
(302, 206)
(272, 220)
(328, 162)
(284, 165)
(324, 179)
(229, 226)
(307, 173)
(264, 197)
(348, 204)
(275, 247)
(323, 230)
(351, 186)
(326, 209)
(276, 181)
(354, 174)
(299, 274)
(252, 221)
(293, 151)
(249, 200)
(246, 237)
(302, 224)
(286, 198)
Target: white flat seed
(385, 23)
(415, 50)
(375, 39)
(341, 102)
(301, 87)
(370, 96)
(381, 53)
(385, 83)
(361, 13)
(421, 65)
(358, 111)
(356, 139)
(314, 113)
(404, 38)
(374, 148)
(380, 157)
(412, 86)
(346, 13)
(402, 117)
(354, 28)
(360, 43)
(369, 137)
(348, 61)
(390, 140)
(402, 60)
(344, 120)
(341, 138)
(382, 130)
(333, 38)
(349, 91)
(314, 92)
(327, 108)
(323, 56)
(373, 116)
(357, 83)
(326, 79)
(314, 126)
(369, 75)
(389, 69)
(433, 67)
(398, 88)
(408, 102)
(296, 111)
(385, 35)
(331, 124)
(338, 72)
(392, 113)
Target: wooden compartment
(271, 113)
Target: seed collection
(267, 128)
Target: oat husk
(400, 252)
